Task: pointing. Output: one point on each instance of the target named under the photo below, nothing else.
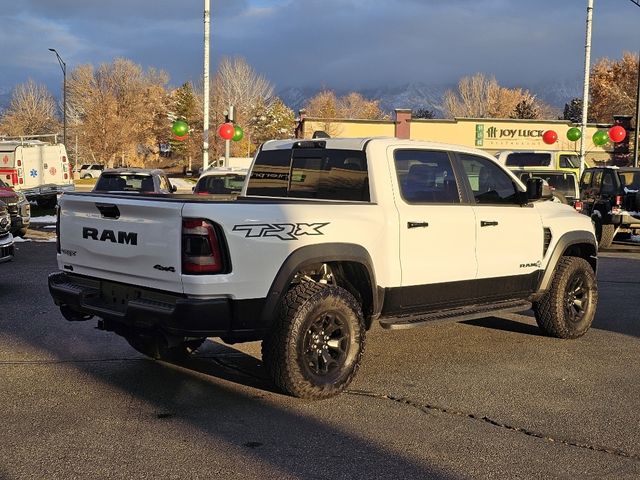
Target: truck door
(436, 231)
(509, 236)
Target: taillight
(58, 228)
(201, 251)
(578, 205)
(18, 163)
(618, 199)
(64, 159)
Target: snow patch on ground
(44, 219)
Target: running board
(456, 314)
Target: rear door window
(585, 181)
(426, 176)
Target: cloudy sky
(338, 44)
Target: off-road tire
(155, 346)
(21, 232)
(316, 342)
(606, 238)
(568, 307)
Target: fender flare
(313, 254)
(576, 237)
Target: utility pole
(205, 78)
(637, 132)
(63, 66)
(585, 89)
(227, 143)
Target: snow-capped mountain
(422, 95)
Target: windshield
(220, 184)
(125, 183)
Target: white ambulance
(38, 168)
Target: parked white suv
(92, 170)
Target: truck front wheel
(568, 308)
(316, 342)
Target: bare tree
(480, 96)
(326, 105)
(613, 88)
(354, 105)
(237, 84)
(119, 107)
(31, 111)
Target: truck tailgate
(131, 240)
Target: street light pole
(205, 79)
(585, 89)
(63, 66)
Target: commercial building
(489, 134)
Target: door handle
(417, 224)
(486, 223)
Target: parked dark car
(6, 239)
(610, 196)
(136, 180)
(18, 207)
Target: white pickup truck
(327, 237)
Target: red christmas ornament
(549, 137)
(226, 131)
(617, 134)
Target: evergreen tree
(526, 109)
(573, 111)
(271, 121)
(186, 108)
(423, 113)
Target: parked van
(531, 159)
(36, 167)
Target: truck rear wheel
(317, 341)
(568, 308)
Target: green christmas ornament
(574, 134)
(238, 133)
(600, 138)
(180, 128)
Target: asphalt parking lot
(489, 398)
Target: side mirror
(538, 189)
(174, 189)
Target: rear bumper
(142, 308)
(625, 219)
(47, 191)
(6, 247)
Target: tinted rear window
(317, 173)
(526, 159)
